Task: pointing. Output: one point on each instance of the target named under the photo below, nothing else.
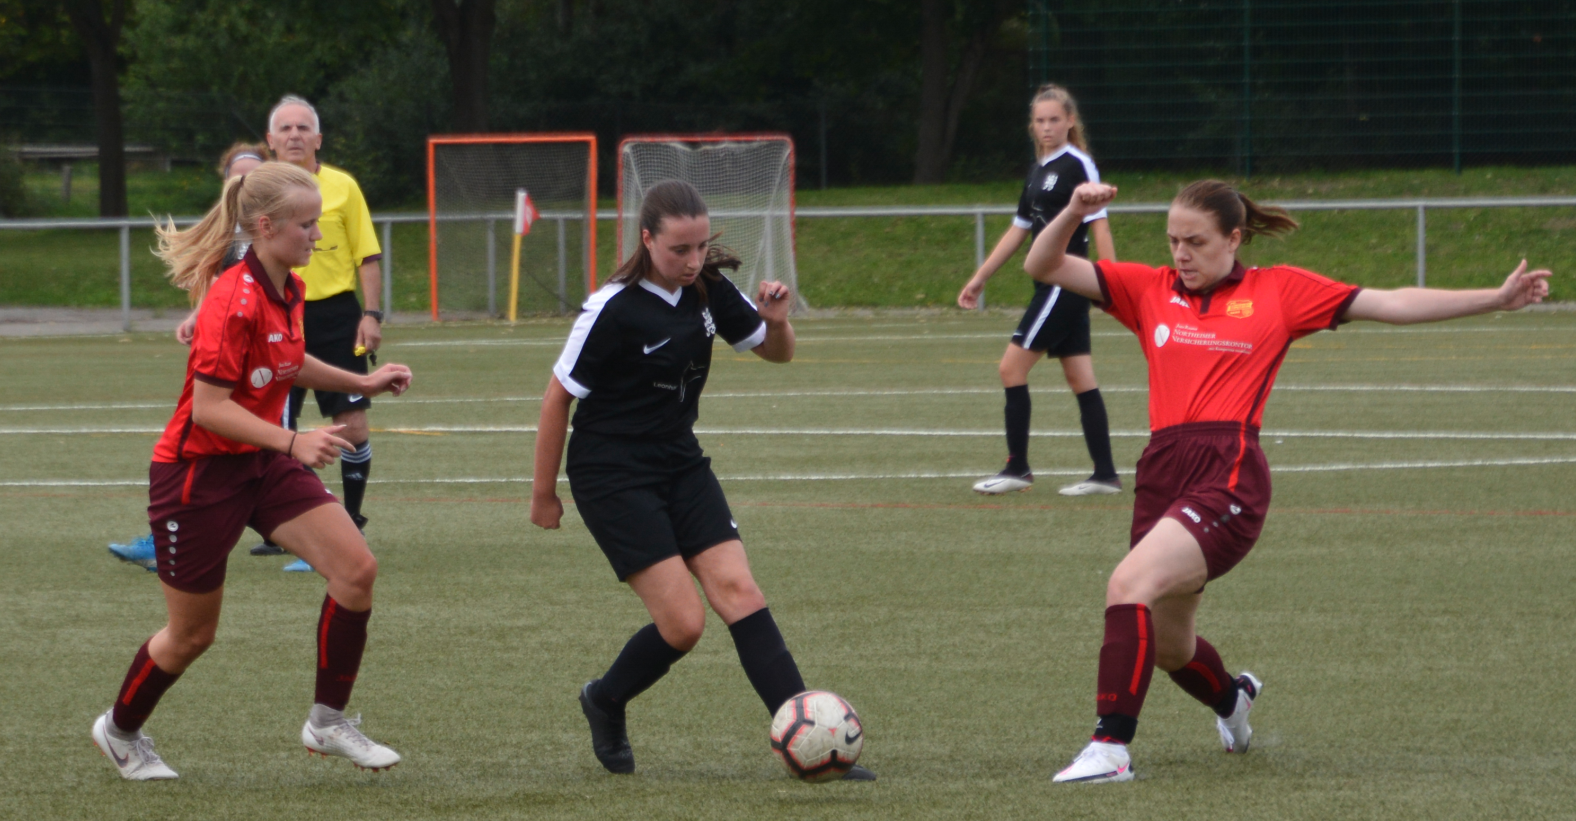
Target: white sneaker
(1004, 483)
(1098, 763)
(1234, 731)
(344, 740)
(1092, 487)
(135, 759)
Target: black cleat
(360, 520)
(609, 737)
(858, 773)
(268, 548)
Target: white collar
(670, 297)
(1057, 153)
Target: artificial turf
(1405, 607)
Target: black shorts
(330, 327)
(646, 501)
(1056, 323)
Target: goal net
(471, 185)
(747, 181)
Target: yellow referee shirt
(348, 237)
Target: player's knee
(738, 594)
(188, 644)
(682, 630)
(1128, 586)
(360, 573)
(356, 430)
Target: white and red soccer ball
(817, 735)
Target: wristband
(290, 448)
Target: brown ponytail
(1056, 94)
(673, 198)
(1234, 211)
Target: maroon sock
(341, 637)
(1127, 660)
(144, 685)
(1205, 678)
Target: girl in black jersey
(1057, 321)
(637, 360)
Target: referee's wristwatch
(378, 315)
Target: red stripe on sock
(1203, 670)
(322, 634)
(142, 675)
(1141, 613)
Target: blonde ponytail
(193, 256)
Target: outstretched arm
(320, 375)
(1048, 260)
(1405, 306)
(551, 430)
(1008, 245)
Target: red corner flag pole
(525, 213)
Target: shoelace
(144, 748)
(354, 735)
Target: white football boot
(1234, 730)
(344, 740)
(1004, 483)
(1099, 763)
(135, 759)
(1092, 487)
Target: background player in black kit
(637, 360)
(1057, 321)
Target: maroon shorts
(1212, 478)
(198, 509)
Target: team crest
(1239, 308)
(1050, 182)
(711, 327)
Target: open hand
(1523, 287)
(319, 448)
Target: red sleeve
(1312, 302)
(223, 336)
(1121, 285)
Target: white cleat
(135, 759)
(1004, 483)
(1234, 731)
(1092, 487)
(1099, 763)
(344, 740)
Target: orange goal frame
(471, 139)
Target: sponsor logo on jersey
(1162, 333)
(711, 327)
(1050, 181)
(649, 348)
(1239, 308)
(276, 337)
(261, 377)
(1191, 515)
(667, 386)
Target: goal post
(472, 184)
(747, 181)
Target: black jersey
(638, 356)
(1049, 189)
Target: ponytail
(674, 198)
(1234, 211)
(194, 256)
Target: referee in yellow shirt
(337, 326)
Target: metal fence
(978, 212)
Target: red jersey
(1213, 356)
(248, 338)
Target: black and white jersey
(638, 356)
(1049, 189)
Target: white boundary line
(1336, 467)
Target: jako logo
(1162, 333)
(261, 377)
(1191, 515)
(276, 337)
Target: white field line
(1336, 467)
(840, 392)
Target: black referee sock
(645, 658)
(354, 468)
(767, 662)
(1017, 414)
(1097, 433)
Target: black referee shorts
(1056, 323)
(330, 327)
(646, 501)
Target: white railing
(978, 212)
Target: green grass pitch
(1408, 604)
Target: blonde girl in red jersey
(1214, 334)
(224, 463)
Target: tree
(948, 27)
(466, 28)
(100, 36)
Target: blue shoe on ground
(139, 552)
(298, 566)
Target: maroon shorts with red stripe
(1213, 479)
(198, 510)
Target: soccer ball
(817, 735)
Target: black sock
(767, 662)
(1017, 414)
(354, 468)
(645, 658)
(1097, 433)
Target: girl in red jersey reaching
(224, 463)
(1056, 322)
(1214, 334)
